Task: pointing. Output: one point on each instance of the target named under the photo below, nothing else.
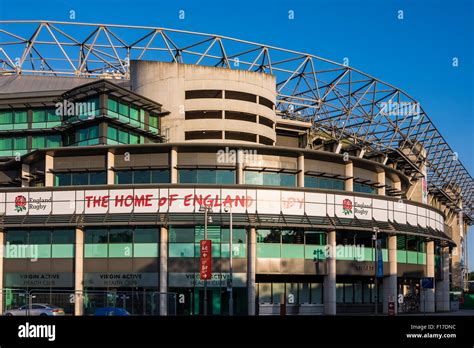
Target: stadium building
(121, 147)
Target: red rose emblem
(20, 203)
(347, 206)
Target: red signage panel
(205, 265)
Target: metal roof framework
(346, 105)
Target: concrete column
(300, 177)
(110, 166)
(381, 181)
(164, 270)
(390, 282)
(251, 267)
(173, 165)
(240, 167)
(48, 166)
(329, 289)
(397, 185)
(442, 286)
(79, 272)
(25, 171)
(427, 300)
(2, 249)
(349, 172)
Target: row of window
(120, 136)
(208, 176)
(312, 293)
(228, 135)
(40, 243)
(228, 115)
(116, 242)
(184, 241)
(127, 113)
(18, 119)
(235, 95)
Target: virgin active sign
(188, 200)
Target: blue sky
(414, 53)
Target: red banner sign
(205, 265)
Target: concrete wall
(167, 83)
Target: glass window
(19, 143)
(181, 249)
(123, 137)
(366, 292)
(40, 237)
(271, 179)
(39, 116)
(348, 293)
(112, 105)
(21, 117)
(112, 133)
(96, 235)
(278, 292)
(253, 178)
(123, 109)
(292, 293)
(225, 177)
(287, 179)
(294, 236)
(358, 293)
(181, 234)
(124, 177)
(6, 117)
(265, 292)
(315, 237)
(160, 176)
(80, 178)
(63, 237)
(304, 293)
(316, 293)
(17, 237)
(141, 177)
(339, 293)
(97, 178)
(62, 179)
(120, 235)
(268, 236)
(239, 235)
(187, 176)
(213, 233)
(146, 235)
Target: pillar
(300, 175)
(79, 272)
(2, 251)
(251, 266)
(349, 173)
(329, 289)
(164, 271)
(390, 282)
(427, 300)
(240, 167)
(173, 165)
(381, 181)
(110, 168)
(48, 166)
(442, 286)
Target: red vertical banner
(205, 265)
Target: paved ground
(461, 312)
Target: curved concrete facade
(169, 83)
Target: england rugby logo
(20, 204)
(347, 206)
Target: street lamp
(228, 209)
(206, 209)
(374, 238)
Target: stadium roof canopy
(347, 105)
